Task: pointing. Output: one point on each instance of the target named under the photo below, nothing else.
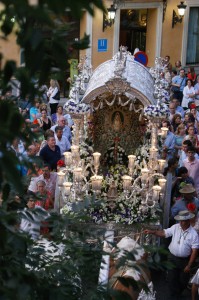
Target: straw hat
(187, 189)
(184, 215)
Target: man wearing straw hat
(188, 193)
(183, 251)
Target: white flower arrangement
(157, 111)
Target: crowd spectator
(196, 88)
(51, 153)
(179, 137)
(44, 122)
(176, 121)
(34, 110)
(61, 140)
(178, 84)
(66, 129)
(188, 94)
(191, 75)
(169, 142)
(192, 165)
(178, 107)
(52, 93)
(183, 251)
(188, 195)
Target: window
(193, 37)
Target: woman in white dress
(188, 94)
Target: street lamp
(109, 18)
(181, 11)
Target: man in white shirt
(183, 251)
(61, 140)
(31, 218)
(48, 177)
(66, 129)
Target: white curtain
(193, 36)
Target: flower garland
(124, 211)
(157, 111)
(115, 155)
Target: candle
(164, 131)
(126, 182)
(75, 150)
(131, 161)
(162, 183)
(153, 152)
(96, 182)
(96, 156)
(68, 158)
(156, 192)
(161, 163)
(60, 178)
(144, 173)
(67, 186)
(77, 172)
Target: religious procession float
(112, 178)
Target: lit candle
(60, 178)
(67, 186)
(75, 150)
(77, 172)
(96, 156)
(144, 173)
(68, 158)
(131, 161)
(161, 163)
(153, 152)
(96, 182)
(164, 131)
(126, 182)
(156, 192)
(162, 183)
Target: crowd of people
(181, 150)
(52, 129)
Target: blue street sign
(102, 45)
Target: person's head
(48, 132)
(51, 141)
(172, 108)
(59, 109)
(176, 102)
(172, 163)
(41, 186)
(191, 130)
(189, 82)
(183, 172)
(187, 191)
(36, 103)
(178, 64)
(177, 119)
(191, 153)
(46, 171)
(54, 83)
(59, 131)
(182, 73)
(191, 70)
(185, 145)
(32, 150)
(184, 217)
(62, 122)
(167, 58)
(166, 124)
(173, 73)
(30, 201)
(180, 130)
(192, 108)
(43, 113)
(191, 120)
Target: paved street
(161, 287)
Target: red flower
(60, 163)
(191, 206)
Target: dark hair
(190, 81)
(58, 128)
(187, 143)
(48, 132)
(171, 162)
(45, 165)
(59, 106)
(182, 170)
(191, 148)
(174, 72)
